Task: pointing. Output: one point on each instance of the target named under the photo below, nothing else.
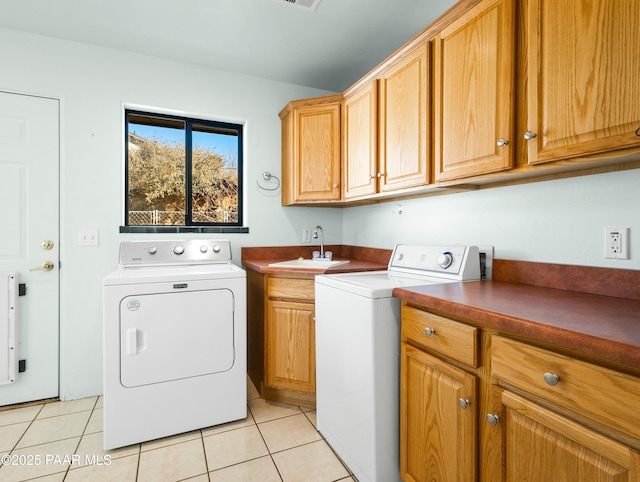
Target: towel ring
(267, 176)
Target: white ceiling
(329, 48)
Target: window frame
(189, 225)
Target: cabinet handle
(529, 135)
(335, 186)
(464, 403)
(492, 419)
(380, 174)
(429, 331)
(638, 131)
(502, 142)
(551, 378)
(371, 177)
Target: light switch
(88, 237)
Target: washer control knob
(179, 249)
(216, 249)
(445, 259)
(152, 250)
(203, 249)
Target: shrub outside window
(182, 171)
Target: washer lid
(375, 284)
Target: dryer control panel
(167, 253)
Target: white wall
(559, 221)
(93, 83)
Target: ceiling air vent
(306, 4)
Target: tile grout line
(139, 459)
(26, 429)
(204, 450)
(201, 435)
(265, 442)
(75, 452)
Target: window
(182, 171)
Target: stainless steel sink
(301, 263)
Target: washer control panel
(452, 262)
(161, 253)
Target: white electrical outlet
(616, 243)
(306, 235)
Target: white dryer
(174, 340)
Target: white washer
(358, 351)
(174, 340)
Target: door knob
(46, 266)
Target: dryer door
(170, 336)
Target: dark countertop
(604, 327)
(360, 259)
(262, 266)
(588, 310)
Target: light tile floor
(62, 441)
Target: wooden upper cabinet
(403, 121)
(360, 141)
(584, 67)
(474, 83)
(311, 150)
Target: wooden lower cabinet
(564, 419)
(523, 412)
(438, 419)
(543, 446)
(291, 346)
(281, 342)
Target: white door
(29, 232)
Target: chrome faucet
(315, 236)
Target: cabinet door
(584, 66)
(317, 153)
(290, 346)
(542, 446)
(474, 92)
(404, 122)
(438, 437)
(360, 142)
